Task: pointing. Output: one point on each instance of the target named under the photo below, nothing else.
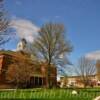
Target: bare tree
(51, 46)
(86, 70)
(19, 72)
(4, 25)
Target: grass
(49, 94)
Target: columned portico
(37, 81)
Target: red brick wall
(5, 63)
(1, 61)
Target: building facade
(75, 81)
(38, 76)
(98, 69)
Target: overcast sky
(80, 17)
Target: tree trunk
(48, 76)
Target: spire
(21, 46)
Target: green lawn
(49, 94)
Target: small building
(75, 81)
(98, 69)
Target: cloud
(18, 3)
(93, 55)
(13, 17)
(13, 50)
(57, 16)
(25, 29)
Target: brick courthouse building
(8, 59)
